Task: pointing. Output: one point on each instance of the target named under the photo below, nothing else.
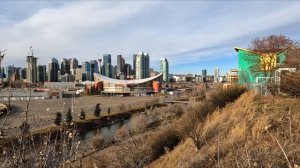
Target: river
(106, 132)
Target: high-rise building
(23, 74)
(94, 68)
(65, 66)
(120, 65)
(73, 65)
(106, 67)
(107, 70)
(204, 75)
(31, 69)
(78, 76)
(53, 68)
(41, 73)
(106, 59)
(134, 64)
(127, 71)
(216, 75)
(164, 69)
(142, 65)
(9, 71)
(86, 71)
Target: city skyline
(191, 39)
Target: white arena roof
(118, 81)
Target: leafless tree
(265, 52)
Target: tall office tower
(127, 71)
(41, 73)
(23, 74)
(2, 74)
(106, 65)
(86, 71)
(107, 69)
(216, 75)
(73, 65)
(53, 68)
(120, 65)
(106, 59)
(114, 72)
(65, 66)
(164, 69)
(204, 75)
(78, 76)
(9, 71)
(31, 69)
(147, 65)
(134, 64)
(142, 66)
(94, 68)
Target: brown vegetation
(255, 131)
(290, 84)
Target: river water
(106, 132)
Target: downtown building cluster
(69, 69)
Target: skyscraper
(86, 71)
(134, 64)
(41, 73)
(53, 68)
(216, 75)
(73, 65)
(164, 69)
(9, 71)
(78, 76)
(204, 75)
(94, 68)
(31, 69)
(65, 66)
(142, 65)
(120, 65)
(127, 71)
(108, 70)
(23, 74)
(106, 59)
(107, 67)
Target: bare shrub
(222, 96)
(137, 123)
(290, 84)
(152, 103)
(121, 108)
(98, 142)
(165, 139)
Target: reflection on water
(105, 132)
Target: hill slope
(254, 131)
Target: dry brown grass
(246, 133)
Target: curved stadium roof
(118, 81)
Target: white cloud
(184, 32)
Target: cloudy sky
(192, 35)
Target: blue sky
(192, 35)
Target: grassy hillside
(254, 131)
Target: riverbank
(52, 132)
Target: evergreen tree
(57, 120)
(69, 117)
(82, 115)
(97, 110)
